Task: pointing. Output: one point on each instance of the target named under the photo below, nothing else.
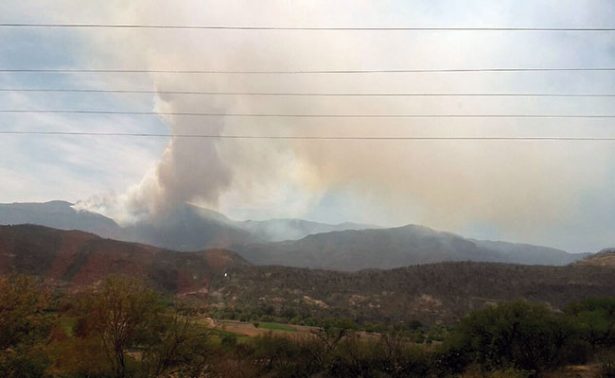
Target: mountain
(78, 258)
(353, 250)
(294, 229)
(60, 215)
(189, 228)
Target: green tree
(119, 314)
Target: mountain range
(288, 242)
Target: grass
(217, 335)
(68, 324)
(276, 326)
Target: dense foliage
(121, 328)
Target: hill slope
(295, 229)
(78, 258)
(430, 293)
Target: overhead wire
(306, 137)
(303, 28)
(298, 115)
(299, 94)
(303, 72)
(290, 72)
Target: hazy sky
(552, 193)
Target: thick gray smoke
(517, 186)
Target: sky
(553, 193)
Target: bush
(23, 363)
(596, 321)
(517, 335)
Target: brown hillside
(78, 258)
(605, 258)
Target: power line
(302, 94)
(302, 72)
(283, 115)
(276, 137)
(300, 28)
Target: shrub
(518, 335)
(596, 321)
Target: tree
(24, 324)
(23, 302)
(177, 342)
(119, 313)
